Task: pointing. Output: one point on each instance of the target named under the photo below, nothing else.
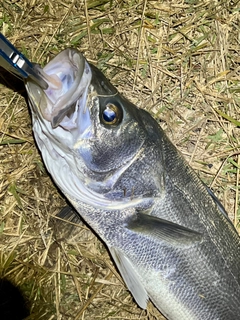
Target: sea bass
(168, 234)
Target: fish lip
(68, 76)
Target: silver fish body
(167, 233)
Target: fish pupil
(109, 115)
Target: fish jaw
(68, 76)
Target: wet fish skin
(165, 231)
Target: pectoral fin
(162, 230)
(130, 277)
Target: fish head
(85, 125)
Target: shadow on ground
(13, 306)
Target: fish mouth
(68, 76)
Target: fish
(168, 234)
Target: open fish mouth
(68, 76)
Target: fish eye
(112, 114)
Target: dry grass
(179, 60)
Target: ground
(177, 59)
